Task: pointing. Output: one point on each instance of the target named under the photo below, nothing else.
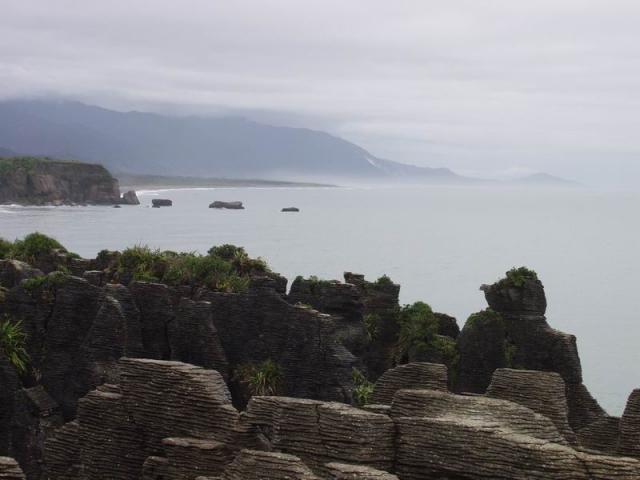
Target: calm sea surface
(440, 244)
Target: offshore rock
(130, 198)
(416, 376)
(161, 202)
(290, 209)
(227, 205)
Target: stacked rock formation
(533, 345)
(122, 365)
(174, 421)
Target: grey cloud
(476, 86)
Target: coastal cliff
(154, 365)
(40, 181)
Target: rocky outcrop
(519, 336)
(227, 205)
(38, 181)
(340, 300)
(261, 325)
(428, 434)
(410, 376)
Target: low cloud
(471, 85)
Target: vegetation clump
(486, 320)
(5, 248)
(226, 268)
(418, 336)
(13, 341)
(44, 281)
(372, 325)
(383, 281)
(517, 277)
(262, 379)
(362, 388)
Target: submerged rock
(227, 205)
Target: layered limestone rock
(9, 469)
(341, 300)
(38, 181)
(256, 465)
(629, 442)
(452, 448)
(188, 458)
(380, 308)
(260, 325)
(342, 471)
(419, 375)
(35, 416)
(320, 432)
(531, 343)
(509, 416)
(542, 392)
(174, 399)
(62, 452)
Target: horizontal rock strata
(429, 376)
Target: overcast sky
(483, 87)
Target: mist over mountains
(149, 143)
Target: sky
(491, 88)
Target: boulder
(290, 209)
(227, 205)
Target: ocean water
(440, 244)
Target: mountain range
(220, 147)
